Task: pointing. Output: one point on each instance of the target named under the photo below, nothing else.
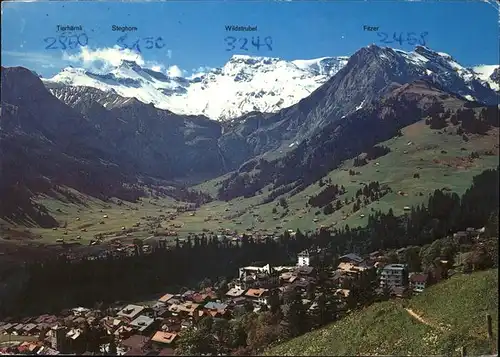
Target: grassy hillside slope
(441, 160)
(451, 314)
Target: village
(155, 328)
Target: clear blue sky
(193, 32)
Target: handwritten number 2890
(66, 42)
(230, 41)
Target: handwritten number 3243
(411, 38)
(230, 41)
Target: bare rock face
(495, 76)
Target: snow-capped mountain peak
(244, 84)
(327, 66)
(443, 70)
(489, 74)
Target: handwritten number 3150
(150, 43)
(410, 38)
(230, 41)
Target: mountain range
(106, 135)
(246, 84)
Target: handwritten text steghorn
(240, 28)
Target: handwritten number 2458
(230, 41)
(411, 38)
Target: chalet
(111, 324)
(351, 269)
(41, 318)
(335, 278)
(47, 351)
(342, 293)
(80, 311)
(185, 309)
(235, 292)
(27, 320)
(313, 307)
(160, 312)
(418, 282)
(186, 296)
(18, 329)
(304, 270)
(237, 301)
(171, 324)
(131, 311)
(306, 303)
(351, 258)
(186, 324)
(30, 329)
(29, 348)
(283, 290)
(75, 340)
(253, 271)
(301, 285)
(57, 337)
(287, 277)
(258, 296)
(201, 298)
(134, 342)
(124, 331)
(216, 309)
(462, 237)
(8, 328)
(142, 324)
(308, 258)
(394, 276)
(165, 298)
(162, 339)
(79, 320)
(375, 254)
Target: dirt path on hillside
(422, 320)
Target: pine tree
(112, 347)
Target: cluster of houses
(154, 329)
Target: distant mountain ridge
(243, 85)
(99, 141)
(248, 84)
